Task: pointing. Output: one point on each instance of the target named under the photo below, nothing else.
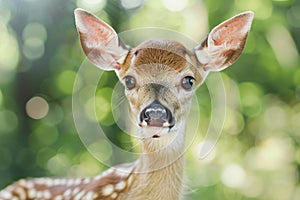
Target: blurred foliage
(258, 154)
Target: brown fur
(165, 52)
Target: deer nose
(156, 115)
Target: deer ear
(99, 41)
(225, 43)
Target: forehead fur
(163, 52)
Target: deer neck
(160, 173)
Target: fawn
(160, 78)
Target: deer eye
(130, 82)
(187, 82)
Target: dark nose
(156, 115)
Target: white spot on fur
(6, 194)
(107, 190)
(63, 181)
(21, 192)
(90, 195)
(46, 194)
(23, 183)
(98, 177)
(67, 193)
(29, 184)
(86, 181)
(49, 182)
(56, 182)
(121, 185)
(59, 197)
(80, 195)
(70, 182)
(39, 194)
(32, 193)
(77, 181)
(114, 195)
(75, 191)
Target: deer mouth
(157, 115)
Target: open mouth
(157, 115)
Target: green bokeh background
(258, 153)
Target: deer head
(161, 76)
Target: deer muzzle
(157, 115)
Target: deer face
(160, 78)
